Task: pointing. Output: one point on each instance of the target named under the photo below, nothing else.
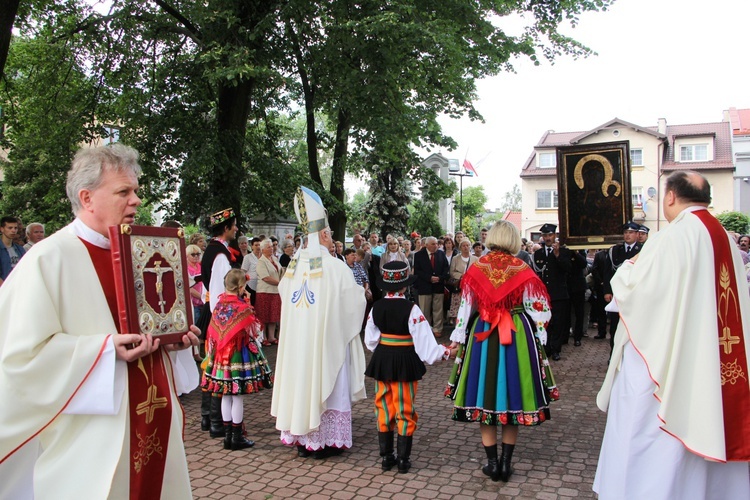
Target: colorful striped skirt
(247, 372)
(499, 384)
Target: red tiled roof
(722, 138)
(720, 131)
(514, 218)
(740, 119)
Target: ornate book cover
(152, 282)
(594, 193)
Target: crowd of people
(506, 303)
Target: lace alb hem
(335, 431)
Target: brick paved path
(555, 460)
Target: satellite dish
(651, 192)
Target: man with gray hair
(92, 396)
(34, 234)
(432, 269)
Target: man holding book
(95, 411)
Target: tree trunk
(8, 11)
(338, 219)
(233, 111)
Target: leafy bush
(734, 221)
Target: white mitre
(313, 218)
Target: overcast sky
(685, 61)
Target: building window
(637, 195)
(694, 152)
(636, 157)
(111, 134)
(547, 160)
(546, 198)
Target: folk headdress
(395, 276)
(313, 218)
(220, 216)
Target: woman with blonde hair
(393, 253)
(504, 378)
(267, 299)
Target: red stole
(735, 394)
(149, 395)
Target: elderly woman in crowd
(194, 255)
(459, 265)
(199, 239)
(406, 247)
(393, 252)
(287, 252)
(267, 299)
(243, 244)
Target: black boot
(385, 440)
(302, 451)
(505, 457)
(205, 411)
(403, 444)
(492, 468)
(217, 423)
(228, 435)
(239, 442)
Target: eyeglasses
(195, 254)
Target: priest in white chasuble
(677, 391)
(320, 363)
(88, 412)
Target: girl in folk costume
(401, 340)
(234, 364)
(504, 377)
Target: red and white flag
(470, 168)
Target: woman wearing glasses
(194, 255)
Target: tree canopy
(212, 93)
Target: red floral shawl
(229, 322)
(497, 282)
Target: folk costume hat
(221, 216)
(313, 218)
(395, 276)
(548, 229)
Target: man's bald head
(684, 189)
(689, 186)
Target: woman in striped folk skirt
(402, 341)
(504, 378)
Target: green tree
(512, 200)
(423, 218)
(203, 90)
(734, 221)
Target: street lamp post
(461, 173)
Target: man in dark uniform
(553, 263)
(642, 234)
(577, 293)
(616, 255)
(601, 261)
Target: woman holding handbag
(459, 264)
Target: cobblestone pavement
(554, 460)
